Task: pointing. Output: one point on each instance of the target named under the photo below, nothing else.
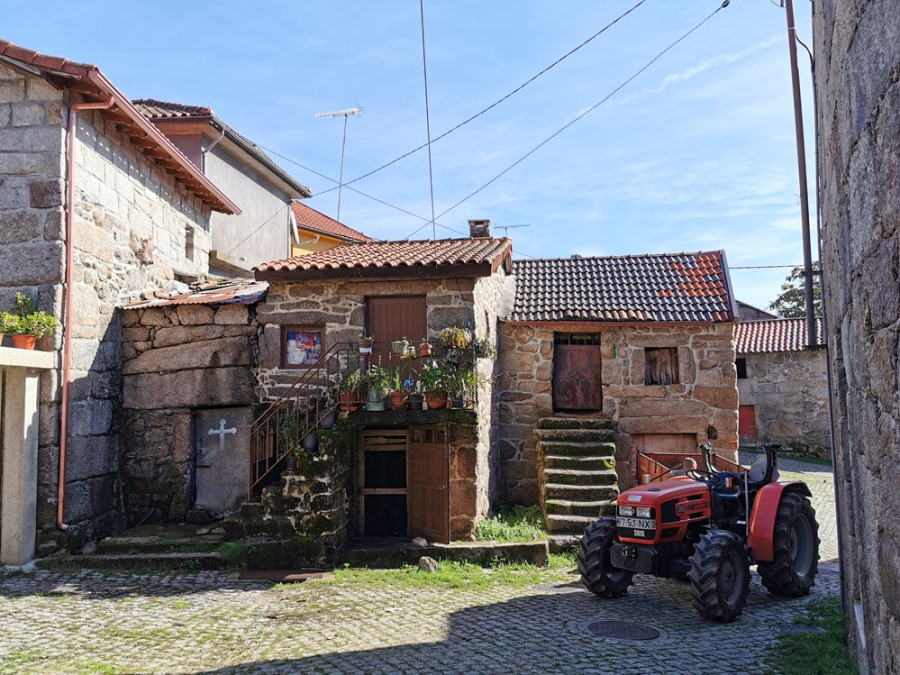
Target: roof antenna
(345, 114)
(510, 227)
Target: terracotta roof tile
(384, 259)
(773, 335)
(153, 109)
(311, 219)
(685, 287)
(39, 60)
(227, 292)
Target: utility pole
(345, 114)
(801, 167)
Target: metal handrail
(281, 428)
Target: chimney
(479, 228)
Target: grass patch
(814, 653)
(513, 523)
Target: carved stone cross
(221, 431)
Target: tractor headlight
(643, 512)
(626, 511)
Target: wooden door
(576, 377)
(428, 483)
(392, 318)
(747, 424)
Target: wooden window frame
(318, 333)
(652, 369)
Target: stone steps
(578, 477)
(187, 560)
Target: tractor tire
(597, 573)
(719, 576)
(793, 570)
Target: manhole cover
(623, 630)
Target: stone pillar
(19, 403)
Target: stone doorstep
(578, 448)
(570, 435)
(576, 423)
(580, 493)
(566, 507)
(568, 523)
(576, 463)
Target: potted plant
(434, 385)
(30, 324)
(9, 324)
(289, 430)
(365, 343)
(426, 349)
(453, 337)
(463, 383)
(379, 387)
(400, 347)
(400, 387)
(349, 390)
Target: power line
(497, 102)
(586, 112)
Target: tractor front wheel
(719, 576)
(597, 572)
(793, 569)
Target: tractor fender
(763, 514)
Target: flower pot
(436, 399)
(374, 403)
(311, 441)
(399, 347)
(23, 341)
(328, 421)
(349, 401)
(415, 402)
(398, 400)
(426, 349)
(365, 345)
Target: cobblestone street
(86, 621)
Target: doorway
(221, 450)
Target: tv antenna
(510, 227)
(345, 114)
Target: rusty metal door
(393, 318)
(429, 483)
(576, 377)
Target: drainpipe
(67, 311)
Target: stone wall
(789, 392)
(702, 406)
(130, 225)
(858, 91)
(175, 360)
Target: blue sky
(695, 153)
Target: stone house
(96, 204)
(782, 386)
(644, 342)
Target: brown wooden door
(393, 318)
(576, 377)
(747, 424)
(428, 483)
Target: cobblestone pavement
(209, 622)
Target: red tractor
(708, 526)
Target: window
(188, 243)
(576, 372)
(741, 365)
(661, 365)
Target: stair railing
(280, 429)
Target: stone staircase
(578, 476)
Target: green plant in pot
(433, 381)
(29, 324)
(289, 431)
(379, 387)
(464, 382)
(350, 390)
(9, 324)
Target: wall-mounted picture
(301, 346)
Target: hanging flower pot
(311, 441)
(399, 347)
(365, 344)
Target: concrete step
(573, 524)
(580, 477)
(563, 422)
(577, 448)
(575, 435)
(566, 507)
(579, 463)
(580, 493)
(183, 560)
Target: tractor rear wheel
(795, 544)
(597, 572)
(719, 576)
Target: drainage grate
(623, 630)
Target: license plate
(636, 523)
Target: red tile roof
(395, 259)
(671, 288)
(164, 110)
(310, 219)
(148, 139)
(773, 335)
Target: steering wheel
(709, 477)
